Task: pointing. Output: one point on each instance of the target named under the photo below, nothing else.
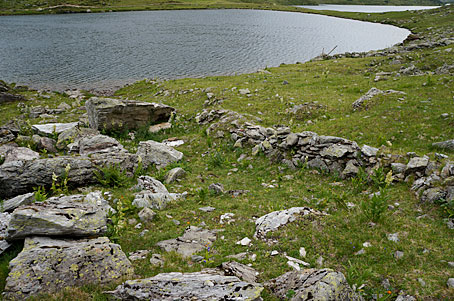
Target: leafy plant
(202, 194)
(60, 186)
(216, 159)
(112, 176)
(360, 181)
(40, 194)
(123, 207)
(374, 208)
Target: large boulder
(161, 155)
(60, 216)
(188, 286)
(48, 265)
(114, 114)
(19, 177)
(312, 284)
(20, 154)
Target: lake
(365, 8)
(107, 50)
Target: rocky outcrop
(188, 286)
(52, 129)
(19, 177)
(448, 145)
(4, 222)
(99, 144)
(20, 154)
(274, 220)
(7, 95)
(156, 153)
(153, 194)
(48, 265)
(239, 270)
(112, 114)
(312, 284)
(193, 240)
(74, 216)
(24, 199)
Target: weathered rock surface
(76, 216)
(448, 144)
(239, 270)
(20, 154)
(24, 199)
(44, 143)
(192, 241)
(21, 177)
(51, 129)
(312, 284)
(272, 221)
(99, 144)
(153, 194)
(70, 138)
(174, 175)
(48, 265)
(111, 114)
(188, 286)
(161, 155)
(6, 95)
(4, 221)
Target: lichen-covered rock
(193, 240)
(158, 201)
(24, 199)
(313, 284)
(76, 215)
(51, 129)
(19, 177)
(20, 154)
(416, 164)
(433, 194)
(161, 155)
(4, 221)
(174, 175)
(70, 138)
(272, 221)
(239, 270)
(115, 114)
(48, 265)
(188, 286)
(335, 151)
(99, 144)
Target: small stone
(274, 253)
(303, 252)
(216, 188)
(320, 261)
(244, 242)
(156, 259)
(207, 209)
(176, 222)
(146, 215)
(367, 244)
(196, 258)
(386, 285)
(253, 257)
(398, 254)
(226, 218)
(450, 283)
(360, 252)
(393, 237)
(294, 265)
(422, 282)
(138, 226)
(451, 264)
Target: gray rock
(48, 265)
(416, 164)
(150, 184)
(350, 170)
(4, 222)
(24, 199)
(51, 129)
(398, 255)
(21, 177)
(317, 163)
(335, 151)
(192, 241)
(393, 237)
(312, 284)
(447, 170)
(188, 286)
(450, 283)
(161, 155)
(369, 151)
(239, 270)
(158, 201)
(60, 216)
(433, 194)
(99, 144)
(146, 215)
(398, 168)
(175, 174)
(216, 188)
(20, 154)
(72, 136)
(291, 139)
(405, 298)
(359, 103)
(207, 209)
(45, 143)
(448, 145)
(272, 221)
(114, 114)
(156, 259)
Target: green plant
(290, 294)
(112, 176)
(374, 207)
(2, 160)
(202, 194)
(447, 206)
(40, 194)
(360, 181)
(123, 206)
(378, 178)
(208, 255)
(216, 159)
(61, 187)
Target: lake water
(366, 8)
(110, 49)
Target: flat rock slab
(193, 240)
(272, 221)
(76, 216)
(239, 270)
(99, 144)
(157, 153)
(158, 201)
(312, 284)
(188, 286)
(20, 154)
(24, 199)
(50, 129)
(115, 114)
(48, 265)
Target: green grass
(396, 123)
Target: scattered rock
(244, 242)
(398, 254)
(4, 221)
(52, 129)
(239, 270)
(416, 164)
(161, 155)
(156, 259)
(188, 286)
(174, 175)
(393, 237)
(447, 145)
(146, 215)
(48, 265)
(99, 144)
(450, 283)
(20, 154)
(207, 209)
(358, 104)
(303, 252)
(216, 188)
(24, 199)
(156, 128)
(312, 284)
(226, 218)
(138, 255)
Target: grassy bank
(326, 89)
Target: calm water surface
(366, 8)
(107, 50)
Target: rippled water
(104, 50)
(366, 8)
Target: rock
(398, 168)
(294, 265)
(4, 222)
(433, 194)
(161, 155)
(298, 261)
(335, 151)
(146, 215)
(318, 164)
(226, 218)
(64, 106)
(192, 241)
(450, 283)
(416, 164)
(272, 221)
(6, 96)
(448, 145)
(369, 151)
(303, 252)
(156, 259)
(393, 237)
(405, 298)
(48, 265)
(44, 143)
(216, 188)
(60, 216)
(188, 286)
(138, 255)
(291, 139)
(244, 91)
(99, 144)
(113, 114)
(312, 284)
(207, 209)
(52, 129)
(239, 270)
(156, 128)
(174, 175)
(21, 177)
(72, 136)
(24, 199)
(158, 201)
(244, 242)
(21, 154)
(150, 184)
(359, 103)
(398, 254)
(350, 169)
